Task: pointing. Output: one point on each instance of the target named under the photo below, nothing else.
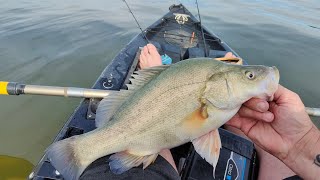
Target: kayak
(178, 36)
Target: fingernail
(262, 106)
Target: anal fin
(208, 147)
(123, 161)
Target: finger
(284, 94)
(247, 124)
(273, 107)
(280, 91)
(234, 121)
(257, 104)
(244, 124)
(249, 113)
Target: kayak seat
(193, 53)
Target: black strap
(159, 170)
(293, 178)
(317, 160)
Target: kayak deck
(178, 35)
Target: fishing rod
(13, 88)
(145, 37)
(204, 41)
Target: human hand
(281, 127)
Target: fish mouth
(272, 86)
(276, 76)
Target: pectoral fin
(208, 147)
(123, 161)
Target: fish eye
(250, 75)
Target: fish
(164, 107)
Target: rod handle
(11, 88)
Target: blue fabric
(166, 59)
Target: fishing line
(204, 40)
(143, 34)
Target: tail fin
(63, 157)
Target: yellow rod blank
(3, 88)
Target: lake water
(68, 43)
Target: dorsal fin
(110, 104)
(142, 77)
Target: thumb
(243, 123)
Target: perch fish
(164, 107)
